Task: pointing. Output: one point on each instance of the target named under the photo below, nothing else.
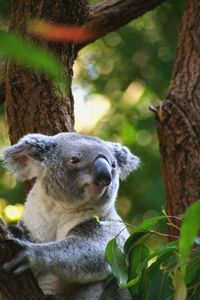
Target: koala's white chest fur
(50, 220)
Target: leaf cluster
(168, 272)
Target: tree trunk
(178, 119)
(32, 104)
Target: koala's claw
(21, 261)
(18, 264)
(13, 242)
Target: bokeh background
(116, 79)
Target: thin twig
(148, 231)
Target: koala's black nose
(102, 171)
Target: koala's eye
(74, 160)
(114, 165)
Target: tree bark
(32, 103)
(178, 119)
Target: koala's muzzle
(102, 171)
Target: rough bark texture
(112, 14)
(32, 104)
(178, 118)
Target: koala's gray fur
(77, 178)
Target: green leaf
(194, 294)
(169, 248)
(149, 223)
(193, 268)
(157, 277)
(141, 232)
(29, 54)
(133, 239)
(137, 256)
(144, 276)
(160, 254)
(191, 273)
(116, 258)
(194, 288)
(189, 231)
(179, 286)
(159, 287)
(162, 259)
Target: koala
(76, 180)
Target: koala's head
(71, 167)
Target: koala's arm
(78, 258)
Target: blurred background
(116, 79)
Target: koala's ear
(26, 158)
(127, 161)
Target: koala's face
(72, 167)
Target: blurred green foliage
(4, 8)
(132, 68)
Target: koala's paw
(24, 258)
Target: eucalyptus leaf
(116, 258)
(159, 287)
(169, 248)
(133, 239)
(137, 256)
(157, 279)
(194, 293)
(149, 223)
(192, 274)
(189, 230)
(141, 232)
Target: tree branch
(110, 15)
(177, 119)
